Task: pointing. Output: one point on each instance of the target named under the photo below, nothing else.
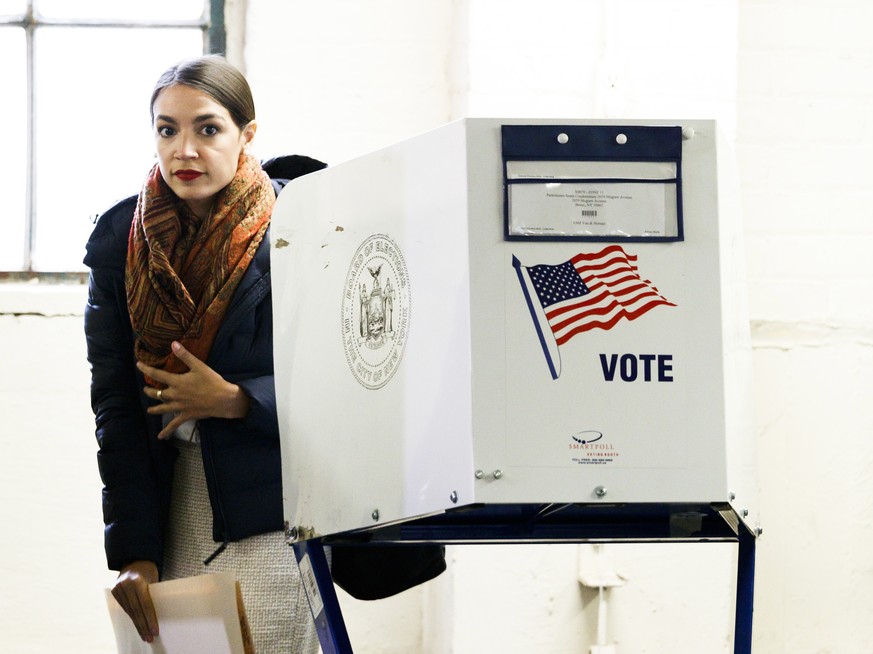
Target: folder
(197, 614)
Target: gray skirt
(273, 595)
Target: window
(76, 78)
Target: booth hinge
(297, 533)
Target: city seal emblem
(376, 311)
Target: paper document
(593, 209)
(198, 614)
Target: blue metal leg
(745, 592)
(315, 573)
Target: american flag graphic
(589, 291)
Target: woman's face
(198, 144)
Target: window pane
(12, 7)
(117, 10)
(94, 140)
(13, 169)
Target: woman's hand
(131, 590)
(199, 393)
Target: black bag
(373, 571)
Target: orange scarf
(182, 271)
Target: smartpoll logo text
(588, 447)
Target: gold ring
(160, 394)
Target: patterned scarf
(182, 271)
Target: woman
(179, 335)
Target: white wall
(804, 141)
(51, 561)
(790, 83)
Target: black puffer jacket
(241, 457)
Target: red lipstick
(187, 175)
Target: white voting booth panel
(421, 367)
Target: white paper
(558, 170)
(197, 614)
(307, 574)
(593, 209)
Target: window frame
(212, 25)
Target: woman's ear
(248, 133)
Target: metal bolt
(375, 515)
(480, 474)
(732, 496)
(291, 533)
(621, 139)
(454, 497)
(600, 491)
(497, 474)
(759, 530)
(745, 513)
(563, 138)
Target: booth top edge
(707, 125)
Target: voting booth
(511, 330)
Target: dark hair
(213, 75)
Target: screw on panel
(497, 474)
(563, 138)
(480, 474)
(600, 491)
(759, 530)
(732, 496)
(745, 513)
(375, 514)
(454, 497)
